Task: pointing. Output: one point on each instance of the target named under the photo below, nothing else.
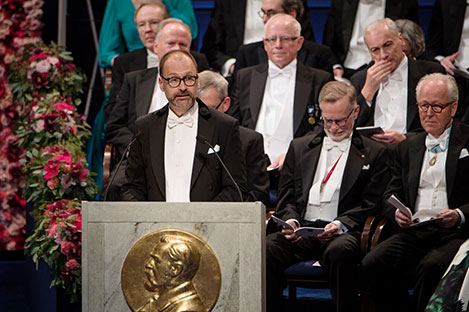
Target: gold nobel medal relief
(171, 270)
(311, 120)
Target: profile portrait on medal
(171, 271)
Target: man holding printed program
(430, 173)
(331, 174)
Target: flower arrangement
(40, 88)
(19, 25)
(57, 240)
(46, 69)
(48, 119)
(58, 172)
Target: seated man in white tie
(429, 176)
(386, 89)
(174, 152)
(332, 178)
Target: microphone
(203, 140)
(124, 155)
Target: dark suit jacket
(145, 174)
(225, 31)
(341, 17)
(408, 166)
(312, 54)
(133, 101)
(252, 144)
(417, 69)
(363, 182)
(137, 60)
(445, 28)
(249, 92)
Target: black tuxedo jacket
(417, 69)
(312, 54)
(363, 183)
(249, 91)
(145, 174)
(445, 28)
(341, 17)
(407, 168)
(225, 31)
(137, 60)
(133, 101)
(252, 144)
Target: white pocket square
(366, 167)
(464, 153)
(215, 149)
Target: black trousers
(412, 258)
(339, 258)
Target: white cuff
(225, 69)
(296, 222)
(461, 215)
(342, 228)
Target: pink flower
(52, 230)
(64, 107)
(43, 66)
(67, 247)
(72, 264)
(52, 183)
(52, 169)
(66, 181)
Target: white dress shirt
(463, 57)
(275, 121)
(367, 12)
(324, 193)
(158, 99)
(391, 101)
(253, 24)
(152, 59)
(179, 151)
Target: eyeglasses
(219, 104)
(339, 122)
(437, 108)
(268, 13)
(283, 39)
(174, 82)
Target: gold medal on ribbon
(311, 120)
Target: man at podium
(185, 151)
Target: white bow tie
(329, 144)
(174, 121)
(436, 145)
(275, 71)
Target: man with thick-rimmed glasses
(332, 178)
(429, 176)
(173, 154)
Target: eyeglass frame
(339, 122)
(433, 106)
(219, 104)
(283, 39)
(269, 13)
(181, 79)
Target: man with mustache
(170, 158)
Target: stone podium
(234, 231)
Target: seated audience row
(183, 147)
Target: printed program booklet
(421, 217)
(305, 231)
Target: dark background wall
(80, 40)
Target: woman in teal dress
(119, 33)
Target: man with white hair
(387, 88)
(429, 176)
(279, 99)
